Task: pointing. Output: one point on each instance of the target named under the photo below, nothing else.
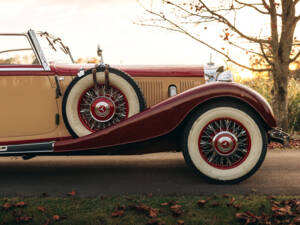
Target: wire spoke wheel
(224, 143)
(98, 111)
(92, 104)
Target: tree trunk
(280, 96)
(281, 59)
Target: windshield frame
(39, 51)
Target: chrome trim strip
(37, 48)
(24, 152)
(21, 69)
(13, 34)
(32, 148)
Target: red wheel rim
(224, 143)
(104, 109)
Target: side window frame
(36, 49)
(24, 49)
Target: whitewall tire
(225, 142)
(85, 112)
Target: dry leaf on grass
(7, 206)
(176, 210)
(72, 193)
(21, 219)
(117, 213)
(41, 208)
(47, 222)
(20, 204)
(56, 217)
(180, 222)
(201, 203)
(164, 204)
(153, 212)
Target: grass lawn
(148, 209)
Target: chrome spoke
(98, 91)
(224, 143)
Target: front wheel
(225, 142)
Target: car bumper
(279, 136)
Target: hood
(135, 71)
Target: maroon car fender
(166, 116)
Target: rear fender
(166, 116)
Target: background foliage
(263, 85)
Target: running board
(42, 147)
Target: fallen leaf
(180, 222)
(231, 202)
(72, 193)
(47, 222)
(153, 212)
(143, 208)
(164, 204)
(20, 204)
(56, 217)
(117, 213)
(236, 206)
(176, 210)
(7, 206)
(296, 220)
(23, 219)
(201, 203)
(172, 202)
(41, 208)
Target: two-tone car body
(52, 106)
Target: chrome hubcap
(100, 109)
(224, 143)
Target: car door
(28, 105)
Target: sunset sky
(84, 24)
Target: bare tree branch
(295, 2)
(181, 30)
(264, 54)
(295, 57)
(265, 4)
(254, 7)
(223, 20)
(245, 49)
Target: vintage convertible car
(52, 106)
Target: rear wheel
(88, 108)
(225, 142)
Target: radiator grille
(185, 85)
(153, 91)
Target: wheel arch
(221, 99)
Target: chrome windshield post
(38, 50)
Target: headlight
(225, 76)
(172, 90)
